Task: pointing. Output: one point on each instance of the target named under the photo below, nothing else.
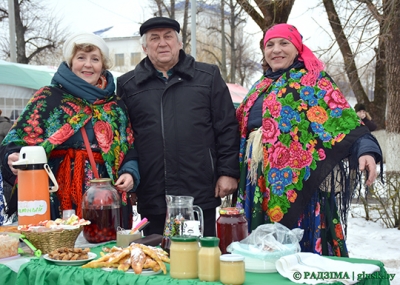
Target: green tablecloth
(43, 272)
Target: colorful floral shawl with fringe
(306, 132)
(53, 115)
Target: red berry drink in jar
(101, 206)
(231, 226)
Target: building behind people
(81, 99)
(296, 131)
(365, 116)
(184, 124)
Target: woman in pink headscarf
(300, 141)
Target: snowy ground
(371, 240)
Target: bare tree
(392, 38)
(37, 34)
(168, 9)
(223, 46)
(272, 12)
(185, 34)
(246, 61)
(358, 23)
(229, 52)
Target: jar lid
(105, 179)
(209, 241)
(184, 238)
(231, 211)
(231, 257)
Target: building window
(135, 58)
(119, 59)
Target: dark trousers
(157, 223)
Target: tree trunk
(223, 45)
(20, 35)
(233, 42)
(172, 9)
(377, 108)
(348, 57)
(392, 39)
(273, 11)
(185, 24)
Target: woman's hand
(13, 158)
(124, 183)
(367, 162)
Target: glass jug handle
(199, 213)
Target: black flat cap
(159, 22)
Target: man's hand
(367, 162)
(225, 186)
(124, 183)
(13, 158)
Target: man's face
(162, 48)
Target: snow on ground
(371, 240)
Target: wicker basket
(49, 241)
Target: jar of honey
(231, 226)
(184, 257)
(232, 269)
(101, 206)
(209, 254)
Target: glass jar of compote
(231, 226)
(101, 206)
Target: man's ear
(144, 49)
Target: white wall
(125, 45)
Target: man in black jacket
(184, 124)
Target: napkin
(310, 268)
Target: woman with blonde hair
(80, 103)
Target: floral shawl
(52, 116)
(306, 131)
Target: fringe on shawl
(344, 183)
(254, 154)
(341, 183)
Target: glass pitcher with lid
(180, 219)
(101, 206)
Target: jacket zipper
(163, 132)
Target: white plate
(71, 262)
(9, 258)
(130, 271)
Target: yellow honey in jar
(232, 269)
(209, 254)
(184, 257)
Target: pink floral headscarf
(312, 63)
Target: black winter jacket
(185, 130)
